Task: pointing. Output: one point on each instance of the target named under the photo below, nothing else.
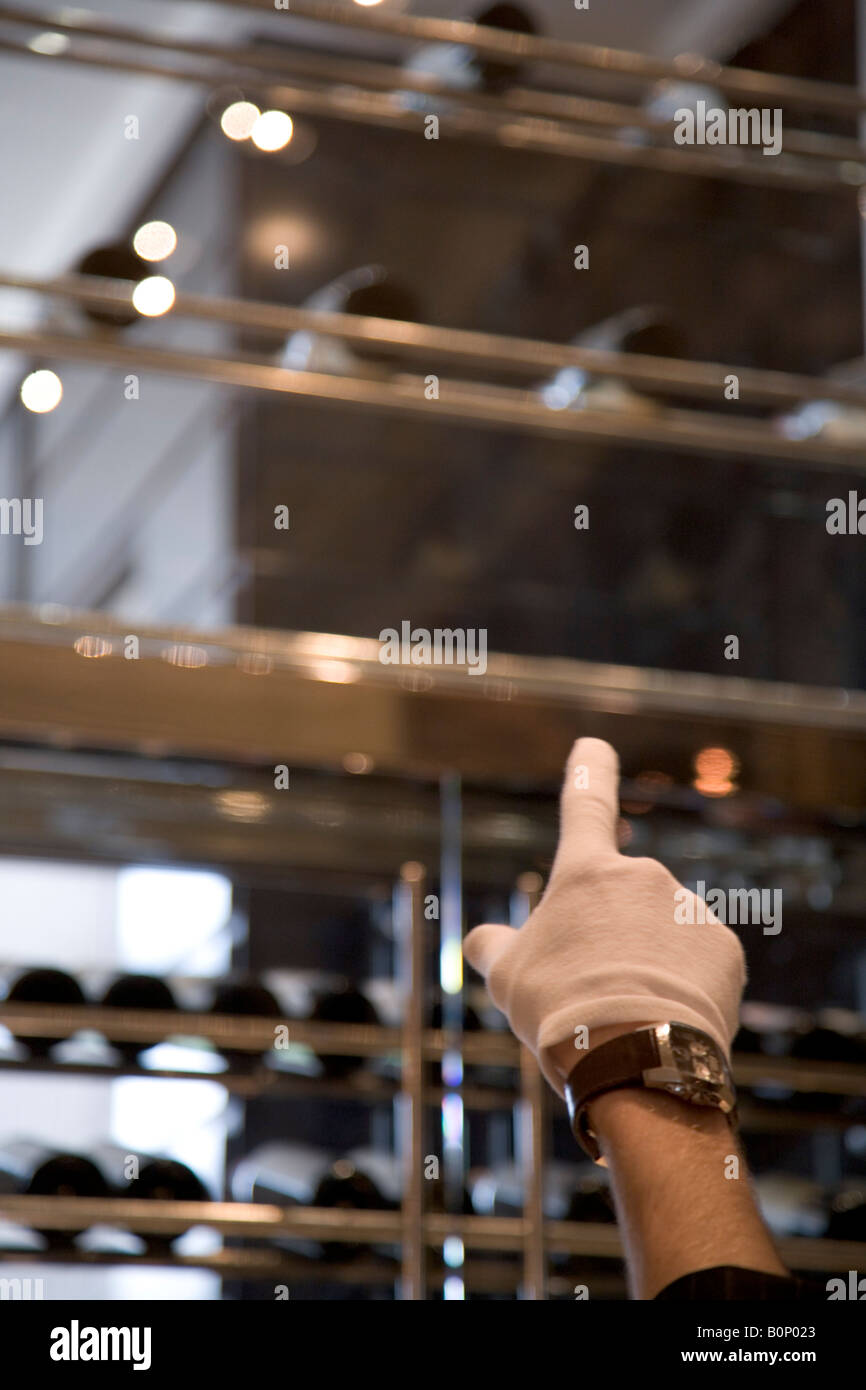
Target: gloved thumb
(485, 944)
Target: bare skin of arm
(677, 1211)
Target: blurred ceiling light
(452, 1069)
(358, 763)
(237, 120)
(92, 647)
(368, 3)
(243, 806)
(190, 657)
(154, 241)
(153, 296)
(453, 1252)
(264, 236)
(452, 1121)
(41, 391)
(715, 770)
(451, 967)
(49, 43)
(337, 672)
(255, 663)
(272, 131)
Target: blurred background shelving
(297, 921)
(363, 1152)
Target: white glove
(603, 945)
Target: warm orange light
(715, 771)
(337, 672)
(92, 647)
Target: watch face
(701, 1057)
(692, 1067)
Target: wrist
(618, 1116)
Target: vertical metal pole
(451, 979)
(856, 582)
(531, 1128)
(411, 938)
(860, 31)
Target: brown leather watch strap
(610, 1066)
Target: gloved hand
(603, 946)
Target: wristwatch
(671, 1057)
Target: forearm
(680, 1209)
(682, 1202)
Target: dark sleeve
(731, 1282)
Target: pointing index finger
(589, 808)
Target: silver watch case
(690, 1067)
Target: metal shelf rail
(264, 697)
(257, 1221)
(150, 1026)
(500, 407)
(524, 119)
